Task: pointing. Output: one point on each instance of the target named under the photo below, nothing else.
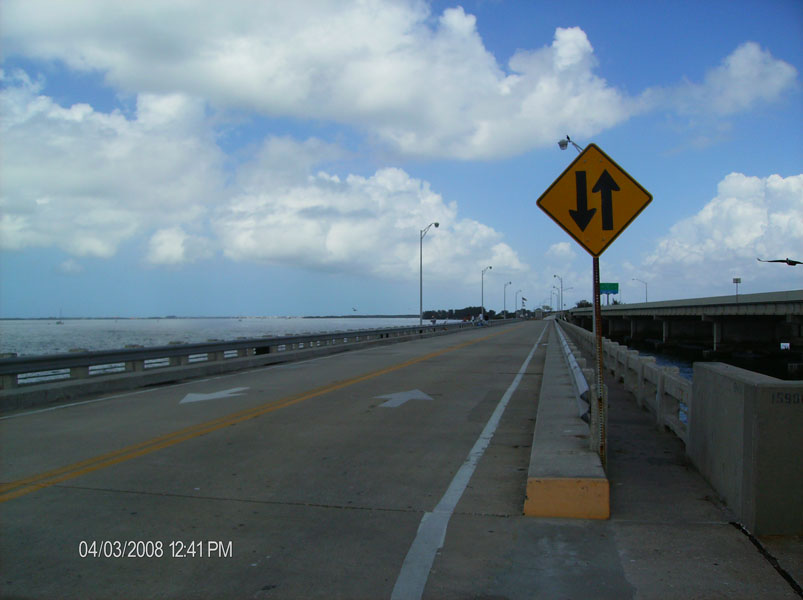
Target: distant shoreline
(171, 317)
(362, 317)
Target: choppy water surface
(37, 337)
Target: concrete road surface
(391, 472)
(302, 480)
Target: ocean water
(685, 367)
(40, 336)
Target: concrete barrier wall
(742, 430)
(745, 438)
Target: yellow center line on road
(21, 487)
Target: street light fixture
(421, 272)
(645, 287)
(565, 144)
(504, 298)
(482, 301)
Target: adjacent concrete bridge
(760, 322)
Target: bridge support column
(717, 330)
(665, 332)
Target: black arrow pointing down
(582, 216)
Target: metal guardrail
(24, 371)
(579, 383)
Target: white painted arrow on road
(400, 398)
(214, 395)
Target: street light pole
(482, 300)
(561, 286)
(504, 298)
(421, 273)
(645, 288)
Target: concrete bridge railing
(741, 430)
(662, 390)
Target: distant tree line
(457, 313)
(466, 313)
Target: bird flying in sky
(788, 261)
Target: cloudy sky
(281, 158)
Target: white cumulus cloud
(87, 181)
(173, 246)
(746, 77)
(561, 251)
(750, 218)
(367, 224)
(422, 84)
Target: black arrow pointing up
(606, 186)
(582, 216)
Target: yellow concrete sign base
(568, 497)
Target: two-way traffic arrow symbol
(605, 185)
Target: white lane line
(60, 406)
(432, 529)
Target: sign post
(594, 200)
(601, 421)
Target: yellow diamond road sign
(594, 200)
